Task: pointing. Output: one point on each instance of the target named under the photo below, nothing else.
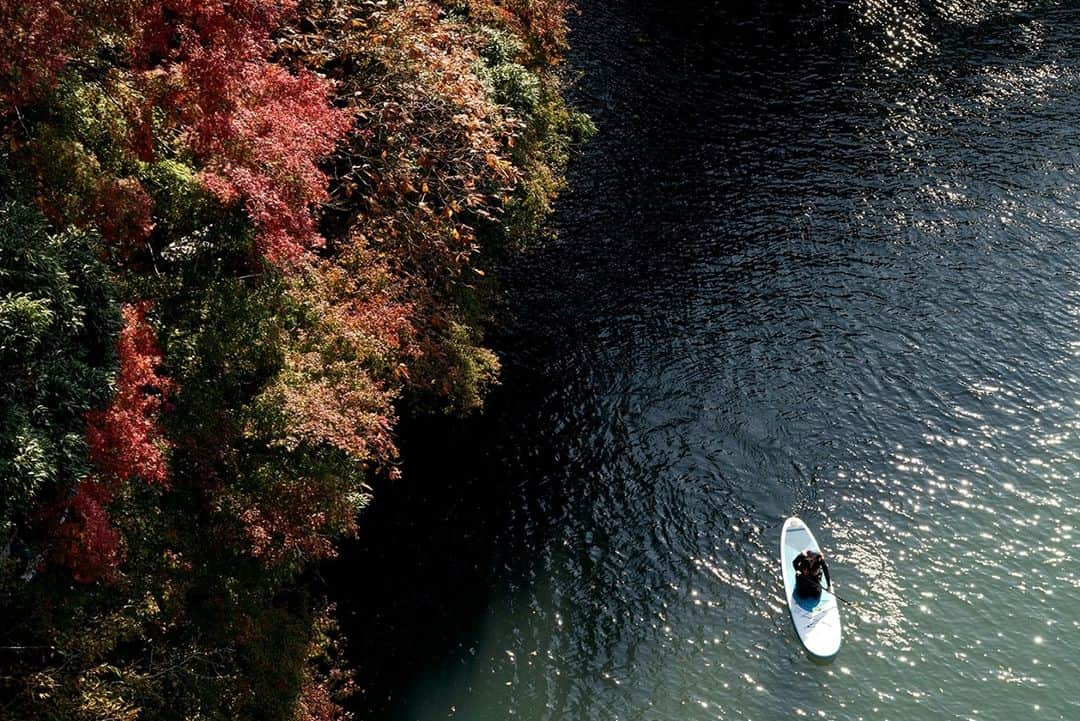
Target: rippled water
(821, 260)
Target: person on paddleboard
(809, 565)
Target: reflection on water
(823, 259)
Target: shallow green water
(820, 261)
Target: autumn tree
(253, 233)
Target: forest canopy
(238, 238)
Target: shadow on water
(413, 588)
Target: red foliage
(123, 212)
(38, 38)
(85, 541)
(187, 30)
(125, 439)
(125, 442)
(32, 45)
(258, 129)
(266, 152)
(296, 522)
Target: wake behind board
(817, 620)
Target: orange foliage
(333, 395)
(339, 378)
(542, 23)
(430, 153)
(317, 703)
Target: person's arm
(825, 568)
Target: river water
(820, 260)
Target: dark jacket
(809, 567)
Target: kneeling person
(809, 566)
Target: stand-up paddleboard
(817, 620)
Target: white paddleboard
(817, 620)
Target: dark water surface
(821, 260)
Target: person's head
(808, 561)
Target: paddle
(838, 597)
(841, 598)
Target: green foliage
(473, 369)
(184, 211)
(58, 318)
(514, 85)
(91, 114)
(508, 82)
(23, 322)
(499, 46)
